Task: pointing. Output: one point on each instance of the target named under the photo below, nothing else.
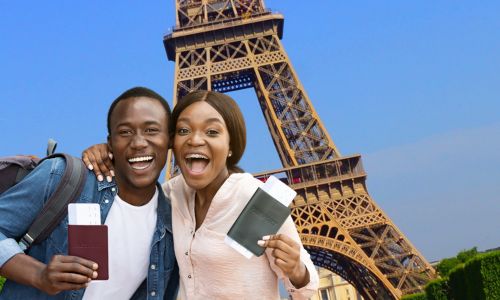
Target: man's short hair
(136, 92)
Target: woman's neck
(203, 197)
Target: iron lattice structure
(235, 44)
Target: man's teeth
(140, 159)
(197, 156)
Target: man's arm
(61, 274)
(19, 206)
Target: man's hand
(98, 159)
(62, 273)
(287, 257)
(65, 273)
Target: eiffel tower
(228, 45)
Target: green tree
(466, 255)
(446, 265)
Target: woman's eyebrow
(210, 120)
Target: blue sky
(413, 87)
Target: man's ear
(110, 146)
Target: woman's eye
(182, 131)
(212, 132)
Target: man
(141, 256)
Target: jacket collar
(164, 210)
(101, 185)
(164, 216)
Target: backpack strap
(68, 190)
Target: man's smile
(140, 162)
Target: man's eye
(125, 132)
(152, 130)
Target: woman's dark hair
(136, 92)
(231, 114)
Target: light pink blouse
(209, 269)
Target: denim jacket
(20, 205)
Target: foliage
(446, 265)
(437, 289)
(483, 276)
(466, 255)
(419, 296)
(2, 280)
(457, 283)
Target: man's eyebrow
(129, 123)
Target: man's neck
(136, 197)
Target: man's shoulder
(162, 197)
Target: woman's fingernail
(112, 173)
(91, 167)
(100, 178)
(94, 267)
(94, 275)
(110, 155)
(266, 237)
(261, 243)
(109, 179)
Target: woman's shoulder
(240, 183)
(173, 183)
(244, 179)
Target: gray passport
(263, 215)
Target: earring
(230, 153)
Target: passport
(90, 242)
(263, 215)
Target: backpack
(14, 168)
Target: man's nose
(138, 141)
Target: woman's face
(201, 146)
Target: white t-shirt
(130, 234)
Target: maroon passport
(90, 242)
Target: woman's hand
(98, 159)
(287, 257)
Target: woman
(208, 141)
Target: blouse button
(189, 276)
(186, 253)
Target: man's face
(139, 142)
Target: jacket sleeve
(20, 205)
(309, 289)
